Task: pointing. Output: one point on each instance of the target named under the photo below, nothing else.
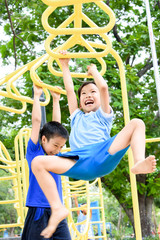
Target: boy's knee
(138, 122)
(35, 165)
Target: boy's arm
(68, 83)
(102, 86)
(56, 114)
(36, 114)
(76, 203)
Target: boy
(53, 137)
(94, 153)
(82, 215)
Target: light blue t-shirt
(81, 218)
(89, 128)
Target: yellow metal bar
(102, 204)
(7, 178)
(6, 167)
(11, 225)
(5, 158)
(71, 188)
(19, 175)
(12, 91)
(130, 157)
(56, 54)
(77, 17)
(8, 201)
(21, 141)
(153, 140)
(61, 3)
(37, 80)
(46, 15)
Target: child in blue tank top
(52, 138)
(93, 152)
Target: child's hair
(82, 205)
(84, 84)
(53, 129)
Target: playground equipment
(75, 37)
(82, 188)
(17, 172)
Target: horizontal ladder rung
(9, 201)
(11, 225)
(8, 178)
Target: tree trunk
(154, 219)
(145, 206)
(145, 209)
(12, 232)
(119, 219)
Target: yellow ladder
(83, 189)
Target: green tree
(21, 21)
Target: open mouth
(88, 102)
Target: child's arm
(102, 86)
(36, 114)
(56, 115)
(76, 203)
(68, 83)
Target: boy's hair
(53, 129)
(82, 205)
(84, 84)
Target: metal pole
(43, 108)
(154, 55)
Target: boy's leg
(62, 231)
(41, 166)
(133, 134)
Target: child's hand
(64, 61)
(56, 95)
(37, 90)
(91, 68)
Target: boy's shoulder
(76, 113)
(32, 147)
(104, 114)
(33, 150)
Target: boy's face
(54, 145)
(90, 98)
(84, 211)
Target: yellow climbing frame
(16, 172)
(84, 189)
(75, 36)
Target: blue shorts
(93, 160)
(35, 223)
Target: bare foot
(58, 214)
(145, 166)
